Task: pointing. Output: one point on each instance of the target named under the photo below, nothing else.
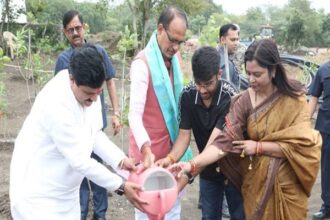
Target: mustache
(75, 36)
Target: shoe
(322, 214)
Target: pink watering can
(160, 190)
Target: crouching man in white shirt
(52, 150)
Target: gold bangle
(257, 148)
(169, 156)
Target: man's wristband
(121, 190)
(193, 166)
(190, 177)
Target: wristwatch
(121, 190)
(190, 177)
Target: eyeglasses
(206, 85)
(76, 28)
(173, 40)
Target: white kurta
(52, 155)
(139, 82)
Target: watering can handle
(162, 205)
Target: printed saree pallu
(275, 188)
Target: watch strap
(189, 176)
(121, 190)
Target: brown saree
(275, 188)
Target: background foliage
(294, 25)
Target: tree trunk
(45, 30)
(147, 4)
(3, 18)
(7, 8)
(134, 9)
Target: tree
(8, 14)
(196, 23)
(49, 11)
(310, 20)
(34, 8)
(95, 15)
(134, 7)
(254, 19)
(277, 18)
(326, 30)
(116, 21)
(52, 11)
(211, 8)
(295, 30)
(210, 32)
(142, 12)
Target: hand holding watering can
(131, 189)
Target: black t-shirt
(196, 116)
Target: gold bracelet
(171, 158)
(257, 148)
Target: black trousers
(325, 171)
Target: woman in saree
(267, 147)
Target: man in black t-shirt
(203, 106)
(321, 86)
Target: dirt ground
(19, 104)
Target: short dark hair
(205, 63)
(69, 15)
(266, 54)
(169, 13)
(87, 66)
(225, 28)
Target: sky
(231, 6)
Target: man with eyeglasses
(74, 30)
(203, 107)
(156, 84)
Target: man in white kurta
(52, 154)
